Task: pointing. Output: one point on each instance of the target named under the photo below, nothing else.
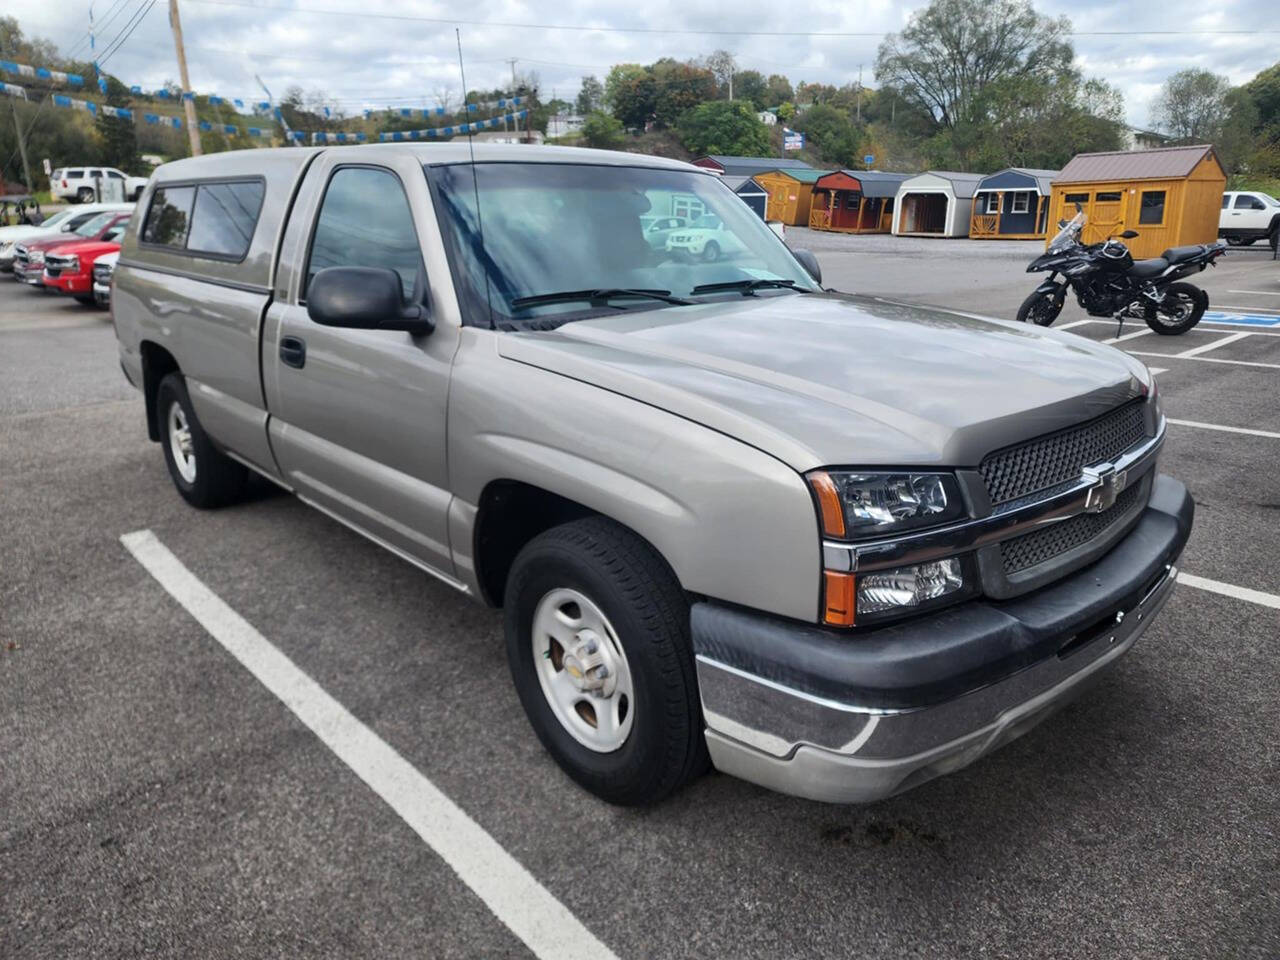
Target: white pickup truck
(1249, 215)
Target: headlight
(861, 504)
(37, 256)
(905, 587)
(72, 264)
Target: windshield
(91, 226)
(1070, 231)
(59, 218)
(549, 228)
(1271, 200)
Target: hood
(22, 231)
(48, 241)
(86, 250)
(826, 380)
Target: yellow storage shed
(1170, 196)
(790, 194)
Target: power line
(452, 21)
(99, 25)
(117, 44)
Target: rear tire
(594, 579)
(84, 195)
(1040, 309)
(1184, 305)
(205, 476)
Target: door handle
(293, 351)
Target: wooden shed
(1170, 196)
(937, 203)
(1012, 204)
(753, 195)
(748, 166)
(855, 201)
(790, 194)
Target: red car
(28, 258)
(68, 267)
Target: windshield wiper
(748, 287)
(599, 296)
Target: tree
(779, 90)
(831, 133)
(602, 131)
(590, 97)
(723, 68)
(629, 93)
(1192, 105)
(119, 135)
(724, 126)
(750, 85)
(679, 87)
(953, 49)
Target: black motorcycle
(1108, 282)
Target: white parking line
(1230, 590)
(1129, 336)
(1260, 293)
(1206, 325)
(1075, 323)
(1225, 429)
(1238, 363)
(1155, 370)
(1196, 351)
(541, 921)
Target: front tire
(711, 251)
(597, 632)
(85, 298)
(1183, 306)
(1041, 308)
(205, 476)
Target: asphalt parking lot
(161, 799)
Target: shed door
(1106, 215)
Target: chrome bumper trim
(1001, 525)
(821, 749)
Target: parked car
(730, 517)
(658, 229)
(29, 255)
(81, 184)
(63, 221)
(103, 269)
(706, 237)
(68, 268)
(1248, 216)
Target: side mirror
(810, 264)
(1128, 234)
(364, 298)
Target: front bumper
(29, 274)
(70, 283)
(851, 718)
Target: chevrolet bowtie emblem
(1106, 484)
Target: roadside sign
(48, 167)
(869, 159)
(792, 140)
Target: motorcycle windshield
(1070, 231)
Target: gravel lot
(160, 801)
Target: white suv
(82, 184)
(1248, 215)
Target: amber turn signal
(839, 599)
(828, 504)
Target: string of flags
(44, 73)
(13, 90)
(397, 136)
(425, 112)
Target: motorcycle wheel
(1040, 309)
(1183, 306)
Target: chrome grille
(1058, 458)
(1032, 549)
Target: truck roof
(281, 160)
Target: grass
(1269, 185)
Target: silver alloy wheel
(184, 455)
(1182, 307)
(583, 670)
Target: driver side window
(365, 221)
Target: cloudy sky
(373, 53)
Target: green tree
(829, 131)
(603, 131)
(630, 93)
(750, 85)
(780, 91)
(119, 135)
(724, 126)
(590, 97)
(1192, 105)
(679, 87)
(724, 69)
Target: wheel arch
(157, 363)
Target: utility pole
(516, 117)
(188, 104)
(22, 147)
(859, 93)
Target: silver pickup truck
(831, 544)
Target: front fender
(1051, 287)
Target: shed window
(1109, 197)
(1021, 202)
(851, 201)
(993, 203)
(169, 217)
(224, 217)
(1152, 207)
